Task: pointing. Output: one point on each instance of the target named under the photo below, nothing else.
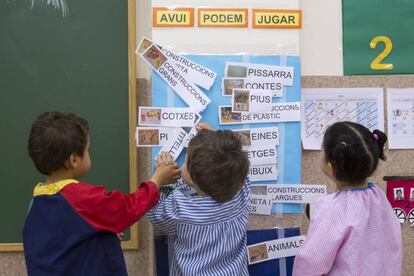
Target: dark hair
(54, 137)
(353, 151)
(217, 163)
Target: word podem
(236, 18)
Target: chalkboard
(373, 45)
(82, 62)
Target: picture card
(193, 71)
(166, 116)
(261, 155)
(284, 74)
(263, 173)
(260, 84)
(281, 112)
(253, 101)
(153, 136)
(258, 136)
(274, 249)
(176, 145)
(260, 204)
(167, 69)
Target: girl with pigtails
(353, 231)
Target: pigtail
(342, 158)
(380, 138)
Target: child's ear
(330, 168)
(73, 161)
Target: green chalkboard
(77, 62)
(389, 26)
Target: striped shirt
(209, 238)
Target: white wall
(321, 38)
(319, 43)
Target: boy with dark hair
(71, 226)
(208, 229)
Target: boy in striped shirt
(208, 229)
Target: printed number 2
(376, 63)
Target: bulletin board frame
(132, 243)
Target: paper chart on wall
(323, 107)
(400, 108)
(288, 168)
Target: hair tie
(376, 137)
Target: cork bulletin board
(399, 162)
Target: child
(71, 226)
(353, 231)
(208, 229)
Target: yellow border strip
(132, 88)
(254, 26)
(156, 9)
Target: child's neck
(59, 175)
(199, 192)
(345, 186)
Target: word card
(253, 101)
(166, 116)
(260, 84)
(153, 136)
(266, 172)
(275, 249)
(281, 112)
(250, 70)
(167, 69)
(258, 136)
(195, 72)
(261, 155)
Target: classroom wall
(400, 162)
(314, 62)
(320, 51)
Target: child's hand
(166, 173)
(203, 126)
(120, 236)
(164, 158)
